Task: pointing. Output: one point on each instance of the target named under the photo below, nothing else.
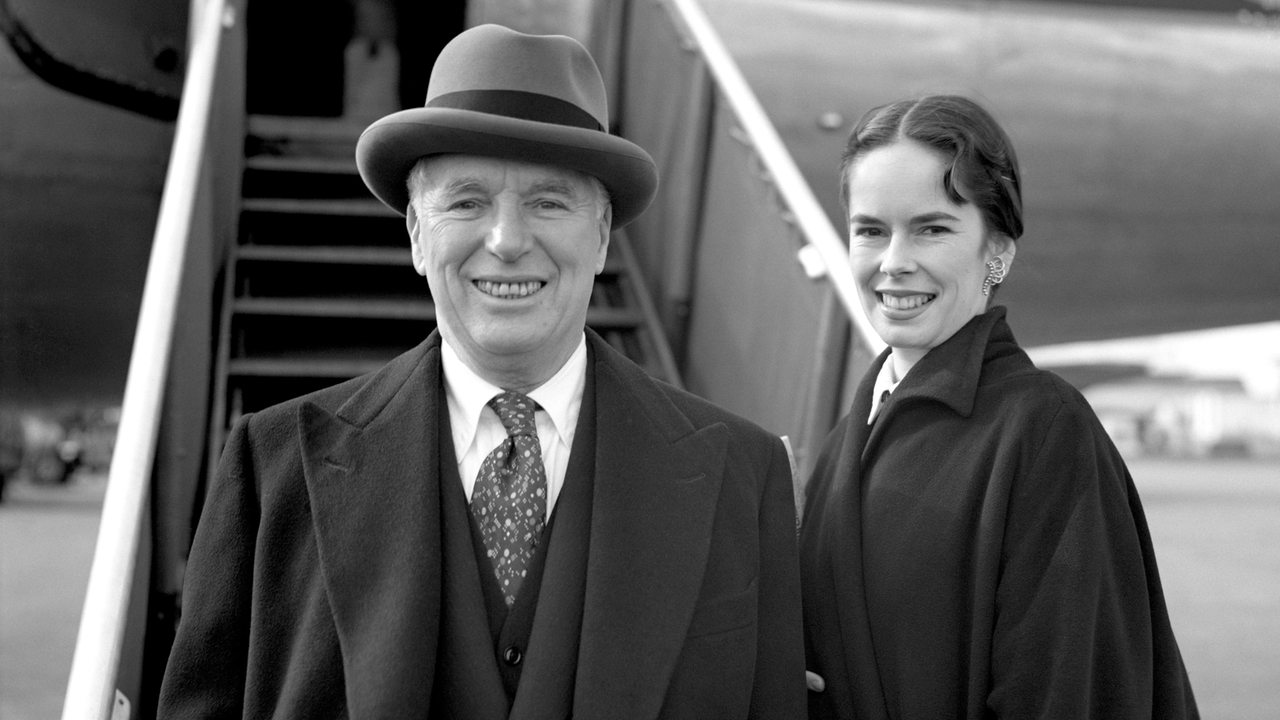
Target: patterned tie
(510, 497)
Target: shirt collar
(561, 396)
(469, 394)
(886, 381)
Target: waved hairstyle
(984, 169)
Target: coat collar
(951, 372)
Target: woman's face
(919, 259)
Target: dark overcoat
(314, 584)
(981, 551)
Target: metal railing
(822, 241)
(750, 277)
(91, 688)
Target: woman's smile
(904, 302)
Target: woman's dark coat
(981, 551)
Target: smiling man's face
(510, 250)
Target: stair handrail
(810, 219)
(99, 645)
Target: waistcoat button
(512, 656)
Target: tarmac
(1215, 525)
(47, 535)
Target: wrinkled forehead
(453, 172)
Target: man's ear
(606, 232)
(415, 241)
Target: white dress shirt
(477, 429)
(886, 382)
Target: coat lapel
(371, 469)
(657, 482)
(547, 681)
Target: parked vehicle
(12, 445)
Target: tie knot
(515, 410)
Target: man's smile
(508, 290)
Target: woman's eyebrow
(933, 217)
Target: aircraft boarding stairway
(319, 286)
(307, 281)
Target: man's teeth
(907, 302)
(502, 289)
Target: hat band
(518, 104)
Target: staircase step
(336, 308)
(303, 368)
(301, 206)
(614, 264)
(302, 164)
(291, 128)
(319, 254)
(598, 317)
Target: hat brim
(388, 149)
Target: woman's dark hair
(984, 169)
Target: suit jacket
(314, 582)
(980, 551)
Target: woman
(973, 545)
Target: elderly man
(510, 520)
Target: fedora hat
(502, 93)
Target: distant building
(1186, 417)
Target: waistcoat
(485, 648)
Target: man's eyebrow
(461, 185)
(554, 185)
